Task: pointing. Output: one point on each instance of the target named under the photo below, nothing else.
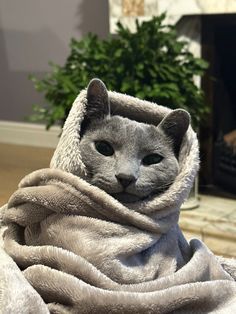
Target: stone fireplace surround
(127, 11)
(186, 12)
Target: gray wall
(33, 32)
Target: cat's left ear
(175, 125)
(97, 100)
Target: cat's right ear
(97, 100)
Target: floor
(214, 221)
(15, 162)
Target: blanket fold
(69, 255)
(79, 250)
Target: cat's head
(128, 159)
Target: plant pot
(193, 199)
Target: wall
(33, 33)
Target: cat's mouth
(125, 197)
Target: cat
(129, 160)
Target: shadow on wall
(93, 16)
(19, 58)
(28, 52)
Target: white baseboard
(28, 134)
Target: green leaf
(153, 64)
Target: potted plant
(151, 64)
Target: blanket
(69, 247)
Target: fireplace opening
(218, 137)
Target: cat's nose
(125, 179)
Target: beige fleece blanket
(83, 252)
(72, 248)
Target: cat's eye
(152, 159)
(104, 148)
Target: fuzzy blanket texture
(69, 247)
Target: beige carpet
(15, 162)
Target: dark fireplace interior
(218, 136)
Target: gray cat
(129, 160)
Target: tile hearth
(214, 222)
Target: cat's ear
(175, 125)
(97, 100)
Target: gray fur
(131, 141)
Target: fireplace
(218, 137)
(225, 163)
